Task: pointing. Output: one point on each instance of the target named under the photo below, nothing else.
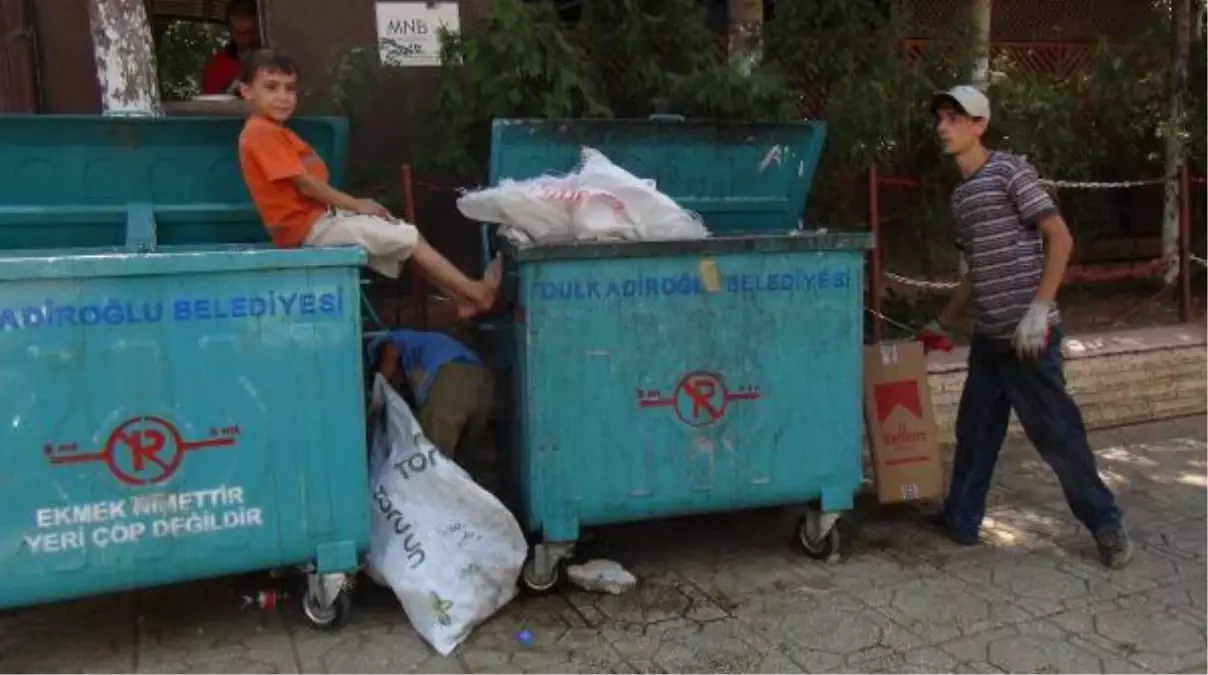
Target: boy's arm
(388, 362)
(280, 162)
(1037, 209)
(327, 195)
(958, 303)
(1058, 246)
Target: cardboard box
(900, 423)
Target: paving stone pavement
(727, 593)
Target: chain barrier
(930, 285)
(1060, 184)
(1102, 185)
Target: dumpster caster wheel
(331, 618)
(540, 581)
(815, 544)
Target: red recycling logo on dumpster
(143, 450)
(700, 399)
(902, 394)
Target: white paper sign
(409, 32)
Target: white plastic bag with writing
(540, 208)
(448, 549)
(599, 216)
(654, 215)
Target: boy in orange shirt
(288, 182)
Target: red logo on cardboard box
(142, 450)
(903, 394)
(890, 396)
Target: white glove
(1032, 334)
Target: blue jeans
(997, 382)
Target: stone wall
(1119, 378)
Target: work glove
(1032, 334)
(933, 336)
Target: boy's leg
(389, 244)
(1053, 423)
(981, 428)
(448, 408)
(475, 441)
(480, 295)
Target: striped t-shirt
(997, 210)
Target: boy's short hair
(268, 60)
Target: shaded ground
(728, 594)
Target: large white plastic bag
(654, 214)
(599, 216)
(539, 207)
(448, 549)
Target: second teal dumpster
(655, 379)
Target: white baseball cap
(965, 98)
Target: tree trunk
(125, 57)
(18, 60)
(981, 65)
(746, 33)
(1174, 136)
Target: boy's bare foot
(493, 276)
(466, 308)
(485, 292)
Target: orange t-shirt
(271, 156)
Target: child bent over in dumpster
(288, 182)
(451, 389)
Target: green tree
(182, 51)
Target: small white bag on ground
(448, 549)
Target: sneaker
(939, 521)
(1115, 548)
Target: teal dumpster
(657, 379)
(178, 402)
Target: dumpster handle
(666, 117)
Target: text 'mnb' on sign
(409, 31)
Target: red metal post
(875, 275)
(419, 286)
(1185, 243)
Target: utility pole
(125, 57)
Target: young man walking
(1014, 248)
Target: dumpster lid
(803, 241)
(78, 263)
(741, 177)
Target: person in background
(1014, 247)
(221, 74)
(444, 381)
